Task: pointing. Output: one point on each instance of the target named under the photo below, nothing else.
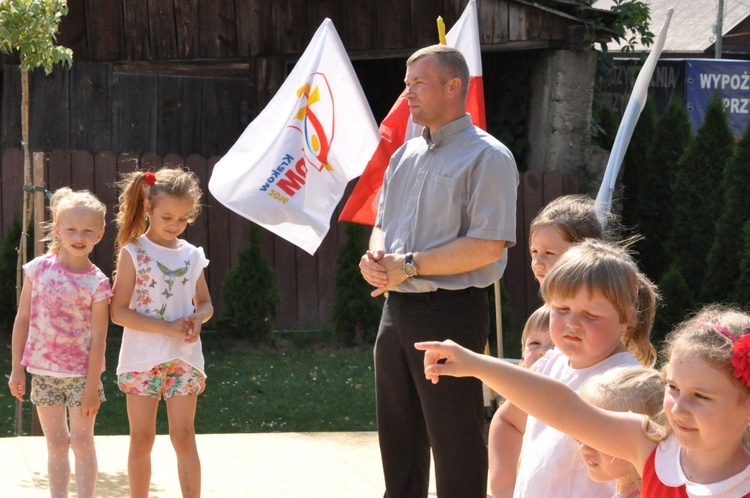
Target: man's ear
(454, 85)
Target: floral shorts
(54, 391)
(173, 378)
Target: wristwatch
(410, 269)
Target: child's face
(585, 328)
(602, 467)
(168, 218)
(537, 343)
(708, 410)
(546, 246)
(79, 229)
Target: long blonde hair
(636, 389)
(609, 270)
(131, 209)
(66, 198)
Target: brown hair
(449, 61)
(609, 269)
(573, 215)
(63, 199)
(131, 209)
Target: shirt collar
(441, 135)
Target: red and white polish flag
(397, 127)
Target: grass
(296, 386)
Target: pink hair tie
(149, 178)
(721, 329)
(740, 352)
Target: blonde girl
(59, 335)
(601, 313)
(707, 404)
(161, 299)
(625, 389)
(535, 337)
(563, 222)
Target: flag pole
(498, 309)
(441, 31)
(498, 319)
(636, 103)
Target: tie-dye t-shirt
(60, 321)
(164, 287)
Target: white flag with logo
(289, 168)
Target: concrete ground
(279, 465)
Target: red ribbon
(149, 178)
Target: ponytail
(131, 209)
(636, 339)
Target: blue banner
(731, 78)
(667, 81)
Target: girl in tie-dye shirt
(59, 336)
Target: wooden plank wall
(94, 107)
(306, 284)
(184, 30)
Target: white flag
(289, 168)
(637, 102)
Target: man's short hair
(448, 60)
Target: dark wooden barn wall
(192, 30)
(306, 284)
(186, 76)
(92, 107)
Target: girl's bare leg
(55, 426)
(142, 419)
(82, 442)
(181, 415)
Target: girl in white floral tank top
(161, 299)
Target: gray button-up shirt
(456, 181)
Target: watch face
(410, 269)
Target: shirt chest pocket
(444, 200)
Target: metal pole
(719, 30)
(498, 320)
(38, 162)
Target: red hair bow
(149, 178)
(741, 359)
(740, 352)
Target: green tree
(696, 194)
(29, 27)
(677, 301)
(8, 261)
(724, 256)
(604, 126)
(741, 294)
(635, 164)
(672, 136)
(249, 298)
(355, 314)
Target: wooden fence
(305, 283)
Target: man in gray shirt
(446, 217)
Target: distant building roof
(691, 30)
